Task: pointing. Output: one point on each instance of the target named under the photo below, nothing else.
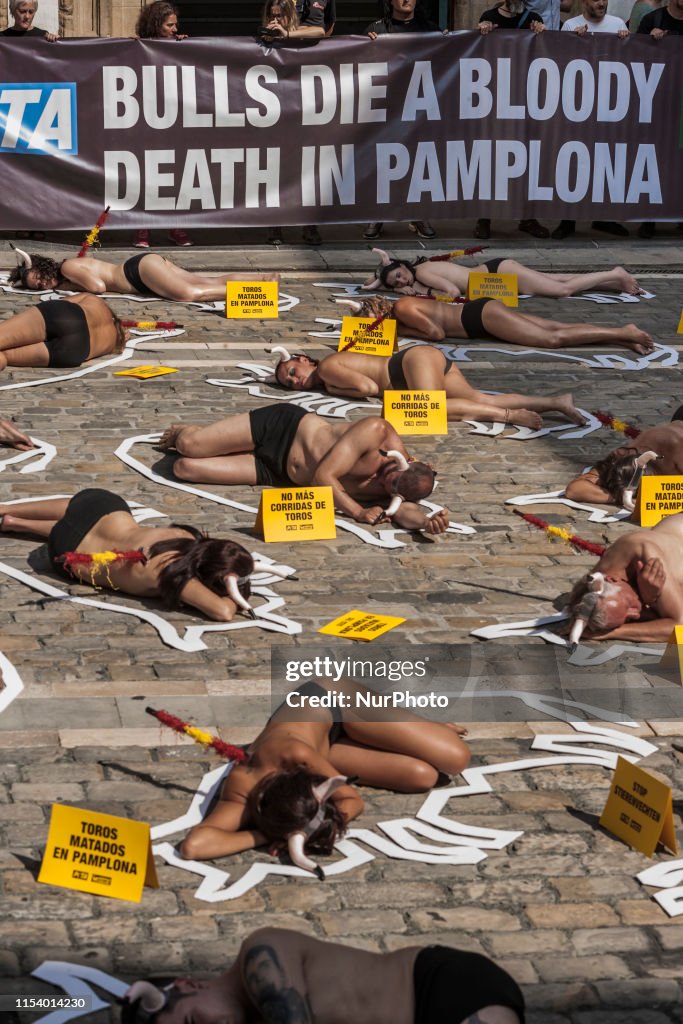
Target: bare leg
(536, 332)
(32, 517)
(231, 470)
(172, 282)
(29, 355)
(559, 286)
(233, 434)
(24, 329)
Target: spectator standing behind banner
(23, 12)
(159, 20)
(511, 14)
(305, 19)
(638, 12)
(594, 18)
(402, 16)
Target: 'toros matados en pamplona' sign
(228, 133)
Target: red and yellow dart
(613, 423)
(578, 543)
(93, 237)
(226, 750)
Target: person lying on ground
(282, 975)
(14, 438)
(145, 274)
(635, 592)
(612, 478)
(417, 368)
(430, 320)
(420, 276)
(63, 332)
(365, 463)
(295, 791)
(94, 538)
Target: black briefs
(131, 272)
(451, 985)
(273, 429)
(67, 337)
(312, 689)
(678, 415)
(492, 265)
(472, 321)
(82, 513)
(397, 377)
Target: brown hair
(204, 558)
(290, 19)
(152, 18)
(615, 472)
(44, 265)
(121, 339)
(283, 803)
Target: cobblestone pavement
(560, 908)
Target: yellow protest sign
(357, 625)
(672, 659)
(296, 513)
(416, 412)
(98, 853)
(680, 325)
(493, 286)
(144, 372)
(251, 300)
(659, 496)
(357, 336)
(639, 809)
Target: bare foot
(637, 340)
(565, 404)
(628, 282)
(170, 436)
(460, 729)
(525, 418)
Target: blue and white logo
(38, 118)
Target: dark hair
(290, 19)
(132, 1013)
(416, 482)
(44, 265)
(384, 271)
(120, 342)
(204, 558)
(294, 355)
(152, 18)
(615, 472)
(419, 16)
(375, 305)
(284, 802)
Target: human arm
(411, 516)
(83, 274)
(271, 970)
(653, 631)
(586, 488)
(12, 437)
(366, 435)
(339, 379)
(221, 834)
(486, 26)
(215, 607)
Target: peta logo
(38, 117)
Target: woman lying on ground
(145, 274)
(611, 481)
(94, 538)
(64, 332)
(294, 788)
(417, 368)
(422, 276)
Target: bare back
(667, 440)
(92, 275)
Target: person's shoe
(275, 236)
(647, 229)
(422, 228)
(610, 227)
(141, 240)
(563, 230)
(482, 229)
(180, 237)
(373, 231)
(530, 226)
(311, 236)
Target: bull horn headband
(639, 468)
(296, 842)
(151, 998)
(355, 306)
(233, 582)
(596, 585)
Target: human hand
(372, 35)
(9, 435)
(406, 290)
(485, 27)
(650, 578)
(373, 515)
(581, 30)
(623, 33)
(180, 36)
(274, 28)
(437, 523)
(51, 37)
(537, 27)
(658, 33)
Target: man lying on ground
(365, 463)
(282, 975)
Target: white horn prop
(627, 500)
(384, 256)
(279, 349)
(25, 258)
(596, 583)
(395, 505)
(233, 592)
(274, 570)
(403, 464)
(371, 285)
(355, 306)
(295, 845)
(325, 789)
(152, 999)
(641, 462)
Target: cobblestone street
(559, 907)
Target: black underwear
(451, 985)
(82, 513)
(397, 377)
(472, 321)
(273, 429)
(492, 265)
(312, 689)
(131, 272)
(67, 337)
(678, 415)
